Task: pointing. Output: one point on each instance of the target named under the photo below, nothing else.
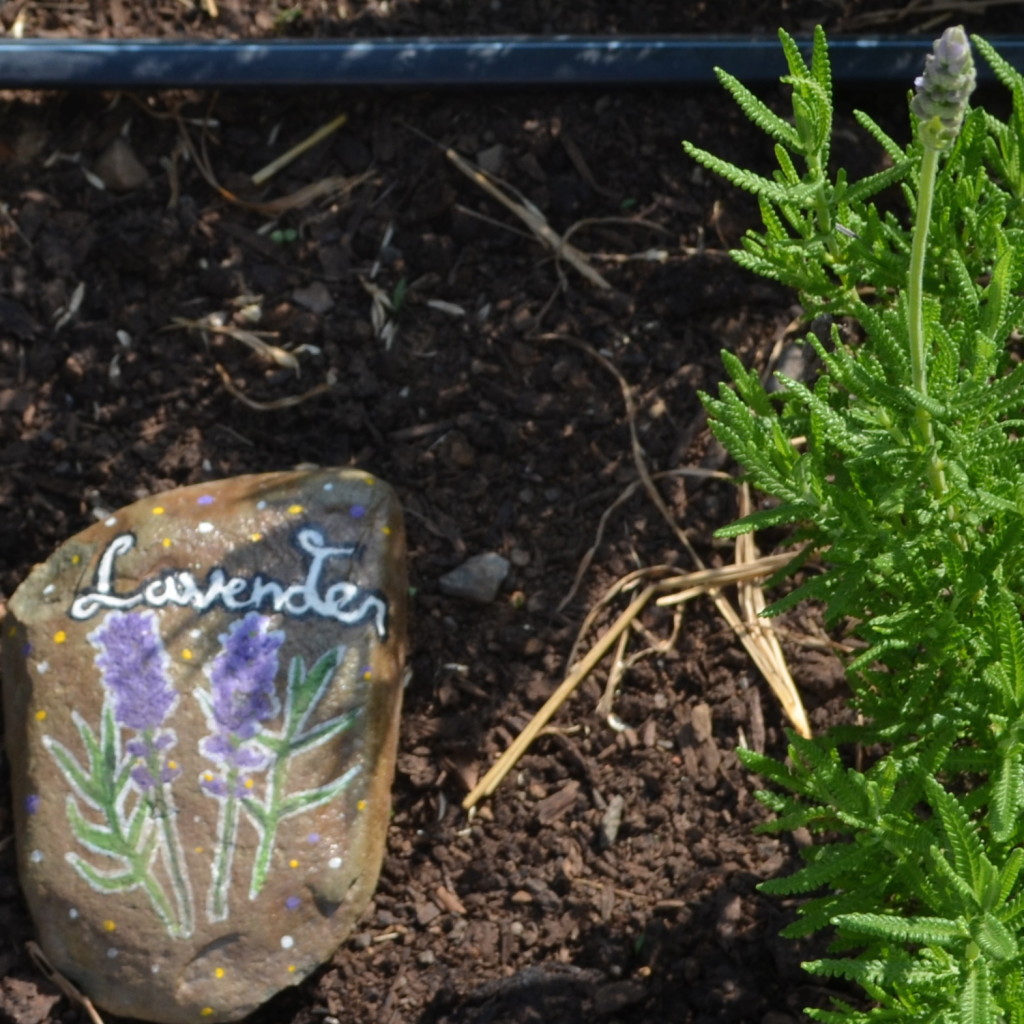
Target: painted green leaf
(310, 798)
(73, 772)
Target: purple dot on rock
(357, 511)
(293, 902)
(32, 803)
(205, 499)
(313, 838)
(26, 650)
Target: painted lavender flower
(135, 671)
(135, 835)
(241, 702)
(242, 697)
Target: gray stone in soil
(119, 168)
(201, 697)
(478, 578)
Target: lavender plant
(141, 828)
(902, 469)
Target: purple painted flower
(223, 747)
(134, 668)
(243, 696)
(243, 676)
(152, 768)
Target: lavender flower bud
(135, 668)
(943, 90)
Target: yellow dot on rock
(172, 765)
(254, 537)
(293, 863)
(207, 776)
(361, 806)
(109, 926)
(186, 654)
(386, 530)
(249, 783)
(158, 510)
(75, 559)
(198, 849)
(219, 973)
(41, 715)
(207, 1011)
(166, 542)
(295, 510)
(60, 636)
(291, 968)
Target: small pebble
(119, 168)
(477, 579)
(316, 298)
(492, 159)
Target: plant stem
(915, 311)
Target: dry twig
(530, 216)
(276, 403)
(280, 356)
(331, 187)
(262, 176)
(702, 581)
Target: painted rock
(201, 698)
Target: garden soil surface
(435, 341)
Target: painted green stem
(268, 833)
(165, 811)
(226, 837)
(915, 312)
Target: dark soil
(491, 411)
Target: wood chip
(449, 900)
(551, 808)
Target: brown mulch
(613, 875)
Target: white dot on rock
(43, 667)
(73, 913)
(112, 521)
(334, 862)
(112, 953)
(36, 856)
(205, 527)
(287, 942)
(49, 589)
(261, 505)
(154, 968)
